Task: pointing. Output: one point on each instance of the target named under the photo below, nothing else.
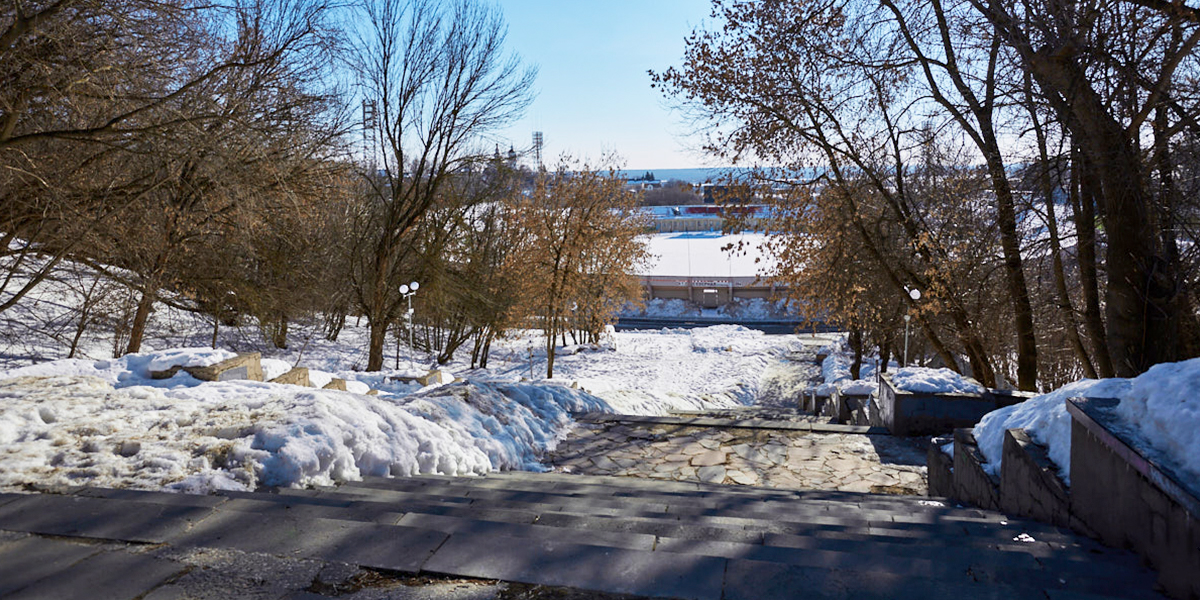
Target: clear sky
(593, 93)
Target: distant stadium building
(693, 266)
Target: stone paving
(739, 456)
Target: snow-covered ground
(105, 422)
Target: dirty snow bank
(105, 424)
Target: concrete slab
(757, 580)
(98, 517)
(658, 527)
(616, 539)
(26, 561)
(377, 513)
(367, 544)
(151, 497)
(115, 575)
(581, 566)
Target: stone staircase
(618, 535)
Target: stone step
(921, 512)
(704, 489)
(764, 580)
(614, 487)
(703, 557)
(715, 525)
(100, 518)
(747, 514)
(583, 566)
(947, 564)
(694, 575)
(414, 507)
(730, 423)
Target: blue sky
(593, 92)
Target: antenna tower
(537, 147)
(370, 114)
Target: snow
(1045, 419)
(107, 423)
(934, 381)
(1163, 410)
(273, 367)
(187, 357)
(1159, 410)
(115, 428)
(835, 370)
(702, 254)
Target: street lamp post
(915, 294)
(408, 291)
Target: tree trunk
(279, 333)
(1083, 197)
(855, 340)
(1066, 309)
(140, 317)
(376, 341)
(1018, 290)
(1187, 330)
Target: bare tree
(583, 242)
(439, 77)
(1107, 68)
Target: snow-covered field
(704, 254)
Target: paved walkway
(614, 535)
(769, 447)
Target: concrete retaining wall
(1029, 483)
(941, 468)
(1131, 501)
(906, 413)
(335, 384)
(247, 365)
(971, 483)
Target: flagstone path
(801, 452)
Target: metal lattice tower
(537, 147)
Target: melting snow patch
(934, 381)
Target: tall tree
(440, 78)
(1106, 67)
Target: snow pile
(1163, 409)
(934, 381)
(273, 367)
(1046, 420)
(666, 307)
(103, 423)
(835, 371)
(1159, 409)
(180, 357)
(655, 372)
